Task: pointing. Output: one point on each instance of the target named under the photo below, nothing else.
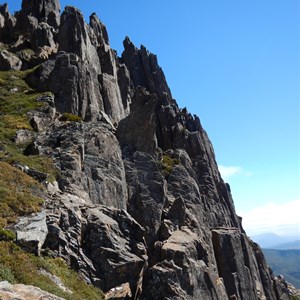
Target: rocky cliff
(137, 205)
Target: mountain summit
(132, 198)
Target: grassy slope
(18, 192)
(16, 100)
(17, 266)
(21, 195)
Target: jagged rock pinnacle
(138, 204)
(47, 11)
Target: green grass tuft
(70, 117)
(167, 164)
(6, 274)
(7, 235)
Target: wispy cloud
(230, 171)
(227, 172)
(282, 219)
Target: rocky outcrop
(95, 80)
(144, 69)
(74, 37)
(240, 270)
(43, 36)
(47, 11)
(139, 208)
(25, 292)
(106, 245)
(80, 94)
(7, 23)
(31, 232)
(9, 61)
(90, 161)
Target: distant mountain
(286, 263)
(288, 246)
(274, 241)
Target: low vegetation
(167, 164)
(16, 100)
(18, 266)
(18, 193)
(70, 117)
(7, 235)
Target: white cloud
(227, 172)
(282, 219)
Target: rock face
(95, 80)
(106, 245)
(139, 208)
(144, 69)
(7, 23)
(47, 11)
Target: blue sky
(236, 65)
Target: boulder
(25, 292)
(38, 79)
(23, 136)
(41, 118)
(9, 61)
(31, 232)
(120, 292)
